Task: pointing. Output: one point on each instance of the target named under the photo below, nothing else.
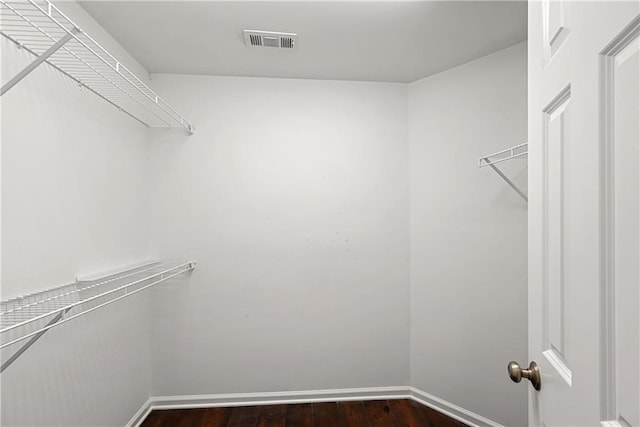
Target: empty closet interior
(192, 216)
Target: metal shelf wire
(30, 315)
(517, 152)
(43, 30)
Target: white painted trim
(558, 364)
(451, 410)
(310, 396)
(141, 414)
(279, 397)
(613, 423)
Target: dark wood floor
(372, 413)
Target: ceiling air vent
(257, 38)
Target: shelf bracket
(32, 341)
(503, 176)
(39, 60)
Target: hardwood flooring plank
(436, 418)
(185, 417)
(408, 413)
(272, 416)
(352, 414)
(379, 413)
(244, 416)
(325, 414)
(168, 417)
(154, 419)
(215, 417)
(300, 415)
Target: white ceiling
(393, 41)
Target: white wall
(293, 197)
(67, 157)
(469, 236)
(74, 200)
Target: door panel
(620, 65)
(556, 119)
(556, 30)
(584, 212)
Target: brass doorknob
(532, 374)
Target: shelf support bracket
(32, 341)
(503, 176)
(39, 60)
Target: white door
(584, 212)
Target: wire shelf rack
(516, 152)
(43, 30)
(31, 315)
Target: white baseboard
(453, 411)
(309, 396)
(141, 413)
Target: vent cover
(257, 38)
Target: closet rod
(516, 152)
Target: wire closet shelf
(42, 29)
(31, 315)
(516, 152)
